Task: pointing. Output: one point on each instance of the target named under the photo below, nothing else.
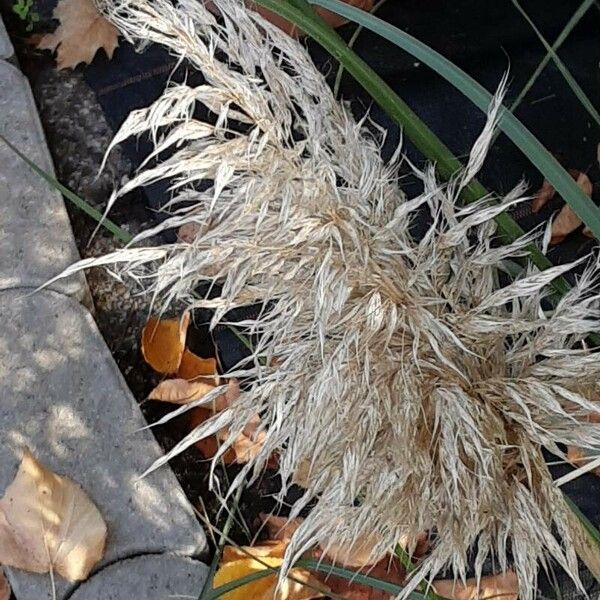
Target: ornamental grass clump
(395, 378)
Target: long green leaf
(414, 128)
(563, 183)
(80, 203)
(551, 52)
(577, 16)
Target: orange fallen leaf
(543, 196)
(163, 343)
(192, 366)
(499, 587)
(567, 221)
(208, 446)
(5, 591)
(81, 33)
(47, 522)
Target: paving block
(63, 396)
(6, 48)
(37, 241)
(156, 577)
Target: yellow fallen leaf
(272, 548)
(499, 587)
(48, 522)
(5, 591)
(163, 343)
(81, 33)
(303, 586)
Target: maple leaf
(47, 522)
(81, 33)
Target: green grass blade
(550, 52)
(577, 15)
(80, 203)
(563, 183)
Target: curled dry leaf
(499, 587)
(180, 391)
(192, 366)
(81, 33)
(163, 343)
(236, 563)
(567, 221)
(543, 196)
(48, 522)
(5, 591)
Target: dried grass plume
(411, 393)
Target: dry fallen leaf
(81, 33)
(163, 343)
(192, 366)
(388, 568)
(236, 563)
(5, 591)
(543, 196)
(48, 522)
(180, 391)
(499, 587)
(567, 221)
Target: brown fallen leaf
(543, 196)
(388, 568)
(188, 232)
(5, 591)
(81, 33)
(48, 522)
(499, 587)
(163, 343)
(567, 221)
(280, 528)
(180, 391)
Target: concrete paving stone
(156, 577)
(6, 47)
(37, 241)
(63, 396)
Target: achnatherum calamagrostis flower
(410, 391)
